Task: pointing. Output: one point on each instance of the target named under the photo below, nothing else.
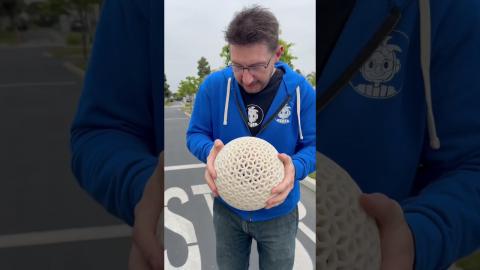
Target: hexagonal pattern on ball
(346, 237)
(247, 170)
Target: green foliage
(53, 8)
(73, 39)
(11, 9)
(7, 37)
(471, 262)
(166, 88)
(287, 56)
(188, 87)
(225, 54)
(203, 68)
(312, 78)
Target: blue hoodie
(117, 133)
(409, 131)
(217, 114)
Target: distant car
(77, 26)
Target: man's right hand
(210, 173)
(147, 250)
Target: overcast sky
(196, 28)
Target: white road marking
(65, 235)
(184, 167)
(174, 106)
(33, 84)
(183, 227)
(302, 259)
(176, 223)
(205, 190)
(179, 118)
(309, 233)
(74, 69)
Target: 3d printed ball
(247, 170)
(346, 237)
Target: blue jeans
(275, 240)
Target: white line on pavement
(74, 69)
(63, 236)
(10, 85)
(179, 118)
(205, 190)
(185, 167)
(309, 233)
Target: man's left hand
(396, 240)
(280, 192)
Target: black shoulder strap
(386, 28)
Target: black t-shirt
(332, 16)
(258, 104)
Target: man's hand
(210, 173)
(147, 247)
(280, 192)
(397, 247)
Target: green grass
(188, 108)
(73, 55)
(471, 262)
(74, 39)
(8, 37)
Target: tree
(203, 68)
(188, 87)
(312, 78)
(83, 8)
(11, 8)
(166, 88)
(225, 54)
(287, 56)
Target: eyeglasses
(254, 69)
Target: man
(245, 99)
(396, 79)
(117, 134)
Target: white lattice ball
(346, 237)
(247, 170)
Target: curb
(309, 183)
(75, 70)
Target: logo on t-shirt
(255, 115)
(284, 114)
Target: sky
(196, 28)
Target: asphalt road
(46, 220)
(189, 235)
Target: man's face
(260, 62)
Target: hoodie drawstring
(425, 57)
(298, 113)
(227, 99)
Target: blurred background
(46, 220)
